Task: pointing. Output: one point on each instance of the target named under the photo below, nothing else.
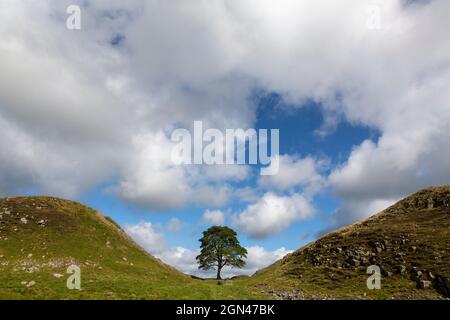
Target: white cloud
(355, 210)
(174, 225)
(147, 236)
(183, 259)
(153, 181)
(50, 109)
(257, 258)
(295, 172)
(213, 217)
(78, 104)
(272, 213)
(246, 194)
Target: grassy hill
(41, 236)
(409, 241)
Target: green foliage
(112, 266)
(219, 248)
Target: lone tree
(220, 248)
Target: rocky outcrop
(442, 285)
(409, 240)
(435, 197)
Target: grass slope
(410, 241)
(41, 236)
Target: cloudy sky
(359, 90)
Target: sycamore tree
(219, 248)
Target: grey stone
(442, 285)
(424, 284)
(401, 269)
(354, 262)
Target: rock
(24, 220)
(30, 284)
(386, 273)
(442, 285)
(401, 269)
(424, 284)
(354, 262)
(287, 295)
(430, 203)
(416, 275)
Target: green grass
(410, 223)
(112, 266)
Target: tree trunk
(218, 273)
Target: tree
(219, 248)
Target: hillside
(41, 236)
(409, 241)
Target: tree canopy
(219, 248)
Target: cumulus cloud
(153, 181)
(174, 225)
(295, 172)
(272, 213)
(147, 236)
(355, 210)
(257, 258)
(78, 103)
(183, 259)
(213, 217)
(51, 109)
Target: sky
(358, 89)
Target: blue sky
(298, 125)
(358, 89)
